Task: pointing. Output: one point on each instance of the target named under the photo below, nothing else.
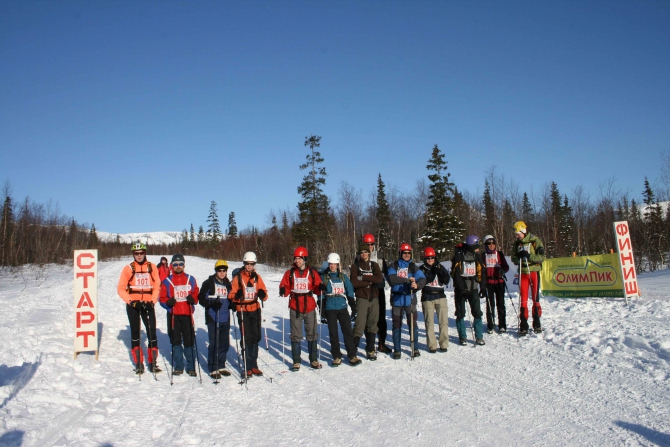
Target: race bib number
(142, 281)
(469, 269)
(220, 292)
(250, 293)
(434, 283)
(516, 280)
(492, 260)
(181, 292)
(338, 288)
(301, 285)
(402, 273)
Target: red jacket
(302, 285)
(496, 266)
(186, 285)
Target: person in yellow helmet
(528, 255)
(214, 298)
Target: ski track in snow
(598, 375)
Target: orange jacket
(142, 286)
(249, 302)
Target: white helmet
(333, 258)
(487, 237)
(249, 256)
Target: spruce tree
(489, 208)
(314, 217)
(232, 225)
(443, 228)
(191, 236)
(6, 228)
(566, 228)
(383, 215)
(527, 214)
(92, 237)
(213, 227)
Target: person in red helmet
(382, 325)
(300, 283)
(434, 300)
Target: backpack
(132, 268)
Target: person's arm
(357, 283)
(194, 290)
(394, 279)
(443, 274)
(121, 288)
(420, 278)
(204, 293)
(315, 278)
(538, 257)
(503, 262)
(376, 276)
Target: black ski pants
(495, 302)
(382, 325)
(182, 331)
(341, 316)
(250, 326)
(148, 317)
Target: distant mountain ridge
(151, 238)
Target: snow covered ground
(152, 238)
(598, 376)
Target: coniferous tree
(527, 214)
(6, 227)
(653, 231)
(443, 228)
(232, 226)
(383, 215)
(92, 237)
(566, 228)
(489, 209)
(191, 236)
(314, 218)
(213, 227)
(201, 234)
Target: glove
(239, 295)
(190, 300)
(147, 305)
(482, 293)
(171, 302)
(324, 320)
(282, 291)
(261, 294)
(216, 304)
(353, 316)
(523, 254)
(135, 304)
(322, 287)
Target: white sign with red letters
(85, 301)
(625, 248)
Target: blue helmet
(472, 240)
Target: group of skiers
(322, 295)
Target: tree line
(434, 213)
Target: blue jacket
(401, 293)
(209, 290)
(337, 302)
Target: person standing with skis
(528, 255)
(338, 292)
(300, 283)
(496, 267)
(139, 287)
(213, 297)
(365, 275)
(382, 325)
(179, 294)
(434, 300)
(247, 288)
(469, 274)
(405, 279)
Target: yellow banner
(583, 276)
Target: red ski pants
(530, 281)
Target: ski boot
(372, 356)
(397, 355)
(480, 342)
(462, 341)
(337, 362)
(354, 361)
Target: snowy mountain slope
(152, 238)
(598, 376)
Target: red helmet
(404, 247)
(368, 238)
(428, 252)
(300, 252)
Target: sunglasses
(222, 269)
(139, 253)
(177, 264)
(430, 257)
(490, 243)
(249, 263)
(406, 252)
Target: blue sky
(135, 115)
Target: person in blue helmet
(468, 272)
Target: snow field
(597, 376)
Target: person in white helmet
(496, 267)
(338, 292)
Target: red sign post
(625, 249)
(86, 301)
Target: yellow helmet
(221, 263)
(520, 227)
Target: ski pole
(244, 348)
(264, 327)
(172, 344)
(139, 342)
(237, 347)
(195, 343)
(320, 328)
(411, 332)
(518, 321)
(216, 347)
(155, 360)
(472, 323)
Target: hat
(364, 246)
(177, 258)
